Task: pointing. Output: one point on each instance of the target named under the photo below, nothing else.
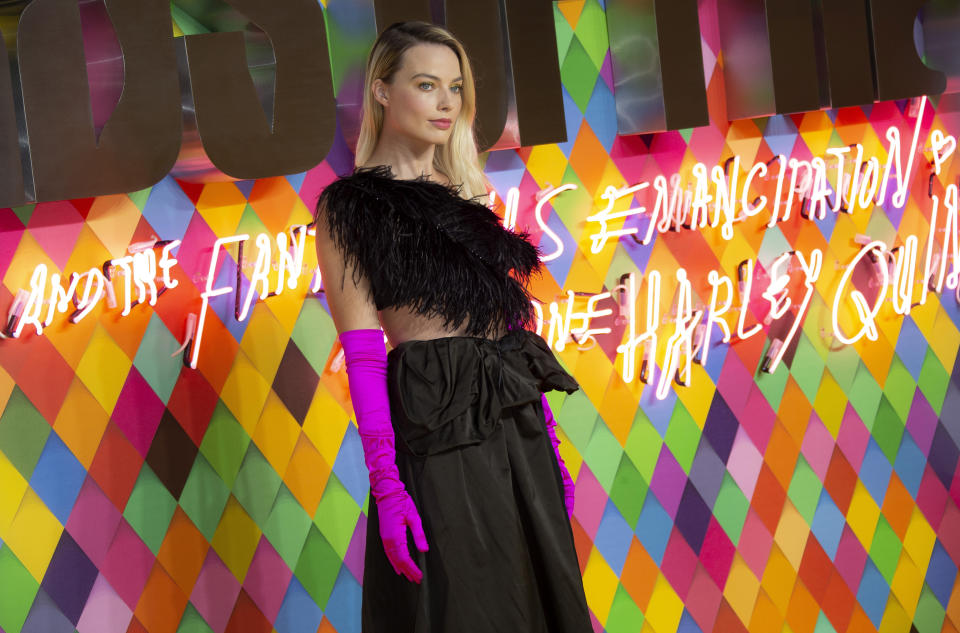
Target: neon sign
(673, 342)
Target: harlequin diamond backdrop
(141, 495)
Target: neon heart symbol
(938, 142)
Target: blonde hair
(457, 159)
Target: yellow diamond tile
(744, 139)
(27, 257)
(741, 588)
(767, 617)
(595, 373)
(618, 407)
(113, 219)
(11, 493)
(264, 341)
(792, 533)
(6, 388)
(287, 305)
(33, 535)
(80, 423)
(103, 368)
(245, 392)
(816, 128)
(221, 205)
(895, 619)
(946, 341)
(277, 433)
(778, 579)
(862, 515)
(547, 165)
(599, 585)
(830, 403)
(919, 539)
(236, 538)
(325, 425)
(907, 583)
(307, 474)
(665, 609)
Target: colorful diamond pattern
(141, 496)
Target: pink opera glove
(366, 358)
(568, 485)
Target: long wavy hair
(457, 159)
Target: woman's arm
(355, 316)
(351, 305)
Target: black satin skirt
(473, 452)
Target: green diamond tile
(19, 590)
(592, 32)
(864, 393)
(885, 549)
(933, 381)
(579, 74)
(564, 32)
(643, 445)
(23, 433)
(731, 508)
(24, 212)
(807, 368)
(318, 567)
(336, 516)
(571, 204)
(805, 489)
(772, 385)
(287, 526)
(823, 624)
(572, 418)
(887, 429)
(193, 622)
(629, 490)
(225, 444)
(842, 363)
(256, 485)
(899, 388)
(930, 613)
(150, 509)
(315, 334)
(158, 343)
(603, 456)
(251, 224)
(625, 616)
(682, 437)
(204, 497)
(139, 198)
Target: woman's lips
(443, 124)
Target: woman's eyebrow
(434, 77)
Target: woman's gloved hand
(568, 485)
(366, 359)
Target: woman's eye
(457, 89)
(426, 85)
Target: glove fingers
(407, 566)
(416, 526)
(399, 556)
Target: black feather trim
(424, 247)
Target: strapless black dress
(473, 452)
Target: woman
(457, 436)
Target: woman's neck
(405, 160)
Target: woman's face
(423, 100)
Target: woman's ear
(380, 92)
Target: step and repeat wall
(762, 314)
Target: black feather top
(422, 246)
